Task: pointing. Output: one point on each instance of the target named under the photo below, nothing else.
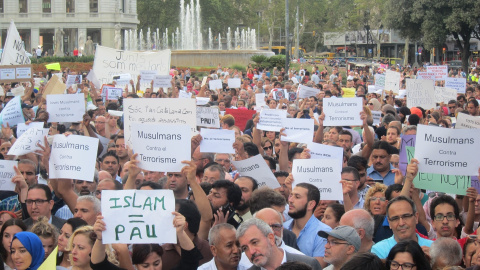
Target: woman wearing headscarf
(374, 104)
(33, 258)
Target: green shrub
(277, 61)
(54, 59)
(238, 67)
(259, 59)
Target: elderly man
(257, 241)
(363, 222)
(342, 243)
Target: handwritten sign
(22, 127)
(379, 81)
(217, 141)
(392, 81)
(325, 175)
(234, 83)
(164, 81)
(208, 117)
(306, 92)
(241, 116)
(342, 111)
(441, 72)
(298, 130)
(447, 151)
(271, 120)
(113, 93)
(73, 157)
(459, 84)
(27, 142)
(171, 111)
(122, 79)
(161, 148)
(14, 50)
(138, 216)
(420, 93)
(467, 121)
(66, 108)
(6, 174)
(425, 76)
(257, 168)
(445, 94)
(348, 92)
(12, 113)
(215, 84)
(407, 140)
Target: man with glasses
(403, 217)
(40, 203)
(342, 243)
(225, 160)
(351, 178)
(445, 217)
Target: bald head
(360, 220)
(273, 218)
(102, 175)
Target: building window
(93, 6)
(1, 6)
(70, 6)
(47, 6)
(22, 4)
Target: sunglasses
(267, 147)
(370, 104)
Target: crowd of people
(223, 219)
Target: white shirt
(212, 266)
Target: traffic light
(444, 50)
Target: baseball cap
(345, 233)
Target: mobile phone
(306, 112)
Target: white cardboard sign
(342, 111)
(147, 76)
(217, 141)
(208, 117)
(257, 168)
(122, 79)
(420, 93)
(164, 81)
(6, 174)
(324, 174)
(298, 130)
(466, 121)
(12, 113)
(425, 76)
(22, 127)
(441, 72)
(73, 79)
(271, 120)
(445, 94)
(113, 93)
(392, 81)
(234, 83)
(306, 92)
(66, 108)
(322, 151)
(215, 84)
(27, 142)
(459, 84)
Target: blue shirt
(389, 178)
(308, 240)
(382, 248)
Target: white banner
(445, 94)
(208, 117)
(257, 168)
(392, 81)
(420, 93)
(66, 108)
(459, 84)
(215, 84)
(306, 92)
(161, 148)
(22, 127)
(298, 130)
(324, 174)
(234, 83)
(271, 120)
(7, 172)
(217, 141)
(447, 151)
(14, 49)
(138, 216)
(467, 121)
(342, 111)
(12, 113)
(73, 157)
(109, 62)
(441, 72)
(27, 142)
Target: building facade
(40, 22)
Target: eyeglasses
(28, 173)
(382, 199)
(98, 192)
(404, 266)
(98, 122)
(397, 218)
(435, 194)
(276, 227)
(267, 147)
(222, 160)
(335, 243)
(441, 217)
(370, 104)
(452, 108)
(394, 163)
(37, 202)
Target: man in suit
(257, 240)
(40, 203)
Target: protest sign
(445, 94)
(325, 175)
(147, 76)
(27, 142)
(306, 92)
(392, 81)
(376, 115)
(348, 92)
(342, 111)
(260, 100)
(215, 84)
(467, 121)
(379, 81)
(217, 141)
(109, 62)
(407, 140)
(456, 184)
(447, 151)
(257, 168)
(208, 117)
(184, 94)
(279, 94)
(402, 93)
(115, 113)
(138, 216)
(475, 182)
(113, 93)
(66, 108)
(420, 93)
(294, 80)
(170, 111)
(6, 174)
(298, 130)
(459, 84)
(122, 79)
(14, 49)
(50, 262)
(21, 73)
(92, 78)
(73, 157)
(164, 81)
(241, 116)
(292, 96)
(22, 127)
(73, 79)
(441, 72)
(371, 89)
(12, 113)
(55, 86)
(271, 120)
(202, 100)
(161, 148)
(322, 151)
(234, 83)
(425, 76)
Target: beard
(299, 214)
(243, 206)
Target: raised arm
(369, 137)
(257, 134)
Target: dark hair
(402, 198)
(280, 174)
(313, 193)
(110, 154)
(251, 149)
(265, 198)
(190, 211)
(474, 102)
(346, 132)
(383, 145)
(358, 162)
(254, 182)
(364, 261)
(293, 151)
(206, 186)
(351, 170)
(270, 161)
(8, 223)
(413, 119)
(76, 223)
(48, 192)
(294, 265)
(441, 200)
(415, 251)
(392, 188)
(140, 252)
(338, 210)
(151, 184)
(234, 193)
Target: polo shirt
(382, 248)
(308, 240)
(389, 178)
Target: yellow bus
(281, 50)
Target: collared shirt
(361, 193)
(382, 248)
(389, 178)
(308, 240)
(64, 213)
(212, 266)
(360, 203)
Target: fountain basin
(211, 58)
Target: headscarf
(34, 246)
(376, 104)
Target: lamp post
(287, 44)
